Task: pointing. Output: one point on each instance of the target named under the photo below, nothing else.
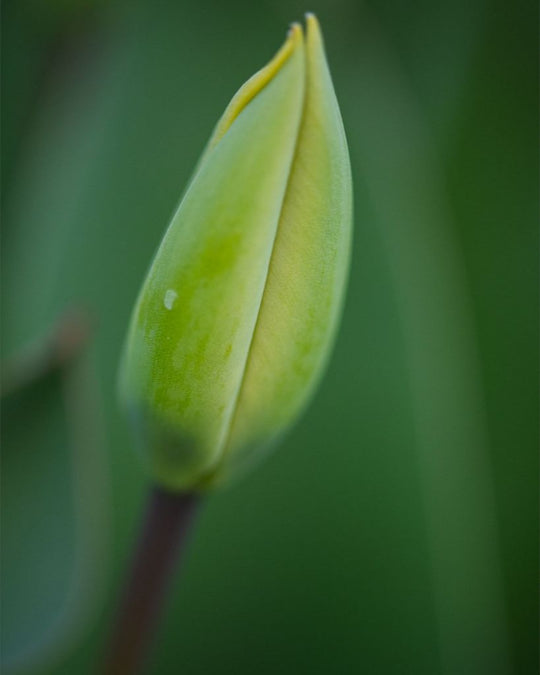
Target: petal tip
(250, 89)
(295, 37)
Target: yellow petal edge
(256, 83)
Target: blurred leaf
(54, 489)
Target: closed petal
(195, 318)
(306, 278)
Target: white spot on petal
(170, 297)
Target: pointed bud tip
(295, 37)
(313, 28)
(295, 30)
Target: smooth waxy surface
(236, 317)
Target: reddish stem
(167, 521)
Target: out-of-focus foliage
(396, 529)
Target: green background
(395, 529)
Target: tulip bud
(236, 317)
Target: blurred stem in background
(394, 148)
(48, 41)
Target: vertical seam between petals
(234, 408)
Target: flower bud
(236, 317)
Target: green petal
(306, 280)
(194, 319)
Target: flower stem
(166, 523)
